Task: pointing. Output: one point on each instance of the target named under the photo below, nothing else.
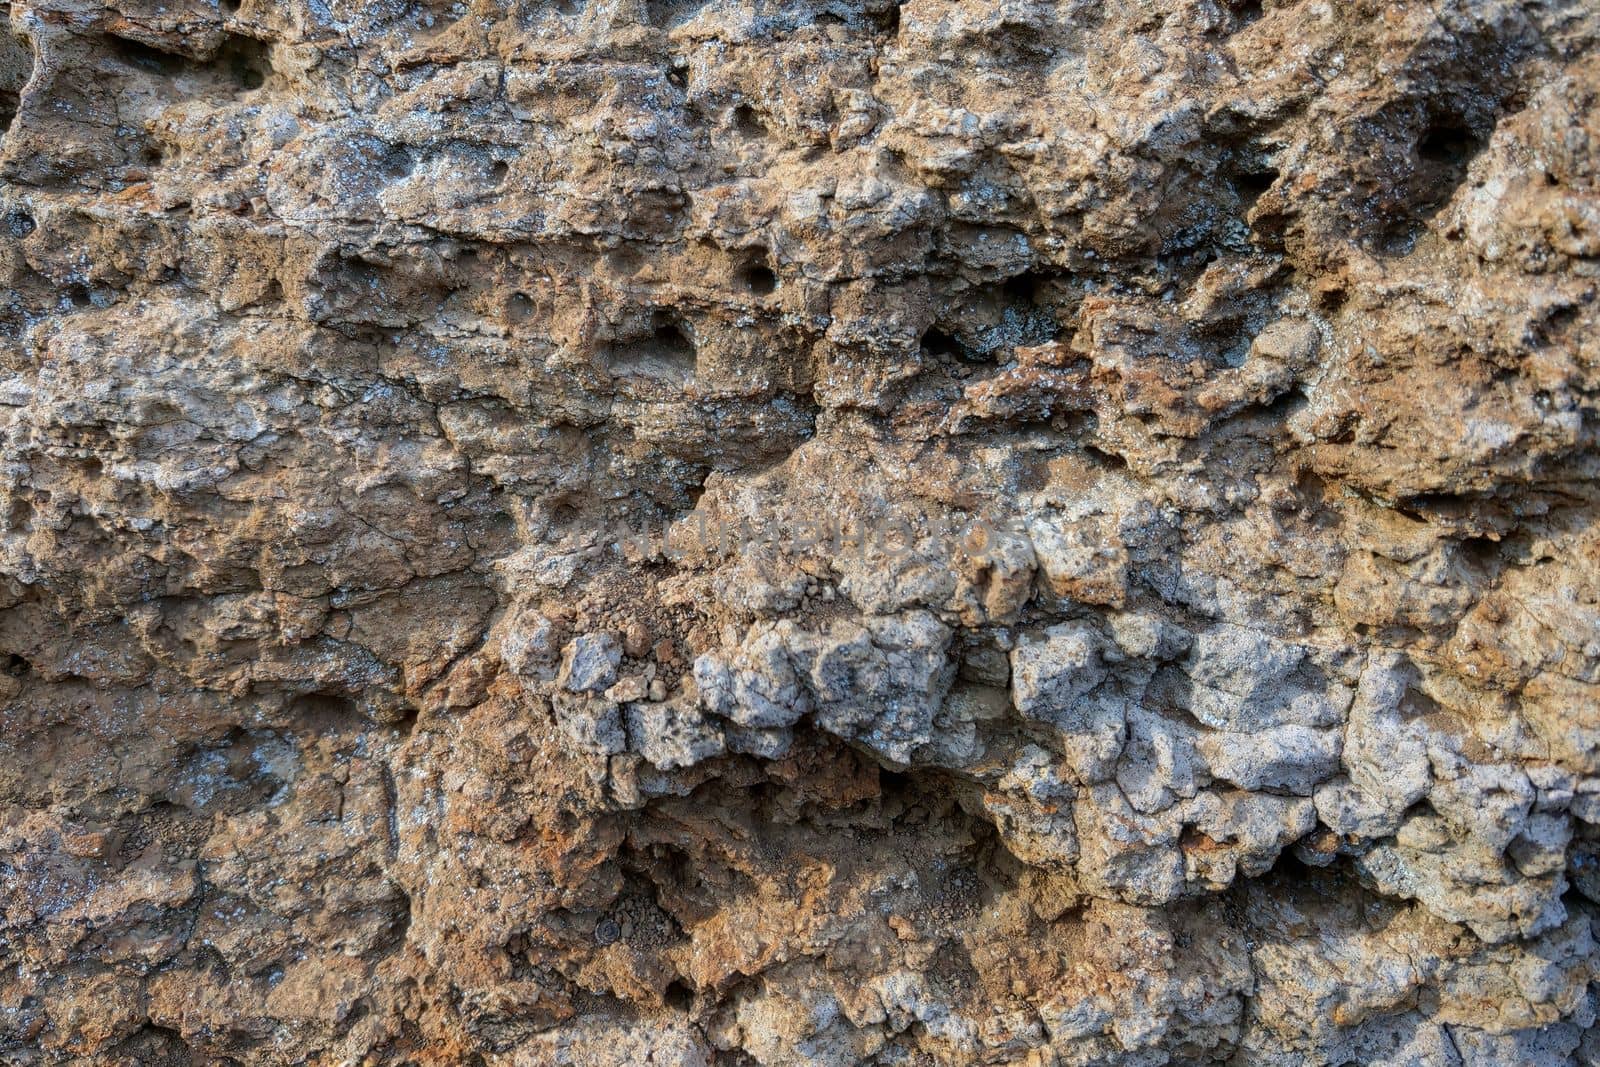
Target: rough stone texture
(615, 531)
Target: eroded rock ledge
(614, 531)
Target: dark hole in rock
(896, 786)
(1442, 152)
(667, 355)
(519, 308)
(1447, 144)
(319, 713)
(998, 318)
(142, 57)
(1247, 11)
(1481, 552)
(748, 122)
(229, 7)
(79, 295)
(1022, 289)
(759, 279)
(498, 171)
(1555, 325)
(674, 343)
(1108, 459)
(17, 667)
(20, 224)
(936, 342)
(245, 60)
(941, 345)
(563, 509)
(1252, 184)
(678, 996)
(397, 163)
(678, 77)
(889, 20)
(404, 723)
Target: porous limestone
(838, 532)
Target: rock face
(604, 532)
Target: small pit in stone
(1446, 144)
(667, 355)
(995, 320)
(758, 278)
(941, 345)
(888, 20)
(1441, 154)
(1444, 150)
(242, 62)
(1021, 289)
(1251, 185)
(747, 122)
(678, 997)
(142, 57)
(323, 713)
(1247, 11)
(519, 308)
(397, 163)
(245, 60)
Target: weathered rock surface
(646, 531)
